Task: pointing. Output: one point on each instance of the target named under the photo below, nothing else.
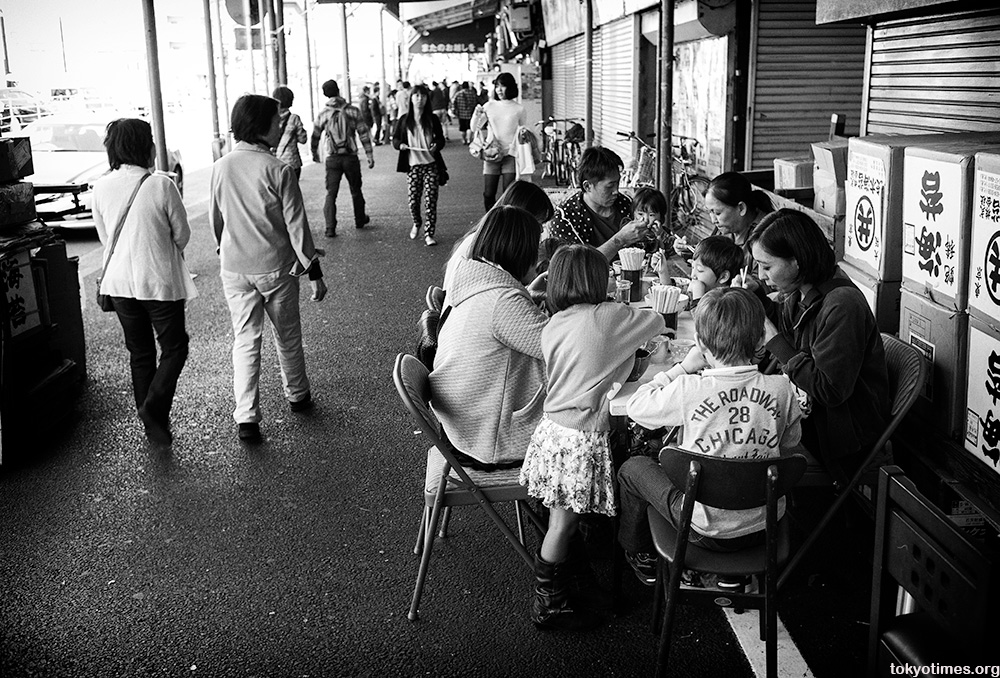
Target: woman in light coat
(146, 276)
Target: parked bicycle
(562, 140)
(689, 215)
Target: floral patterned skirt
(569, 469)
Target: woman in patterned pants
(419, 138)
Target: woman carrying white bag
(501, 116)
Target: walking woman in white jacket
(146, 276)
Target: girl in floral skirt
(589, 347)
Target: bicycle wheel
(690, 215)
(572, 162)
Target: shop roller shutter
(935, 74)
(801, 73)
(614, 96)
(568, 78)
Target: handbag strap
(121, 223)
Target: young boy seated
(757, 410)
(650, 207)
(716, 262)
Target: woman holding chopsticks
(419, 139)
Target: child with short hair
(717, 261)
(729, 410)
(589, 347)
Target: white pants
(249, 298)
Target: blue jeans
(153, 384)
(250, 297)
(338, 166)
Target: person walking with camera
(339, 125)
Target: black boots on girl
(553, 606)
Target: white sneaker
(429, 241)
(414, 232)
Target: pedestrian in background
(503, 116)
(419, 139)
(340, 125)
(145, 274)
(378, 115)
(439, 104)
(483, 95)
(365, 106)
(293, 132)
(402, 97)
(265, 246)
(464, 104)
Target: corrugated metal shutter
(801, 73)
(568, 78)
(614, 95)
(939, 73)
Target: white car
(68, 155)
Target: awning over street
(427, 17)
(466, 38)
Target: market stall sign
(464, 39)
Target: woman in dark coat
(419, 138)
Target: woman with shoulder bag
(419, 138)
(143, 226)
(503, 116)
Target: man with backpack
(337, 126)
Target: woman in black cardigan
(419, 138)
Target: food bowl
(640, 366)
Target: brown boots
(555, 606)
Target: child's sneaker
(644, 566)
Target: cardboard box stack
(938, 180)
(982, 423)
(829, 177)
(793, 173)
(17, 200)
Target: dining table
(660, 361)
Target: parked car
(69, 155)
(19, 108)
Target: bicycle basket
(575, 133)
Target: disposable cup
(623, 291)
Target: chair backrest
(427, 337)
(413, 384)
(925, 553)
(907, 373)
(730, 483)
(434, 298)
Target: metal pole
(6, 57)
(345, 90)
(666, 103)
(62, 43)
(309, 64)
(665, 107)
(384, 85)
(222, 71)
(264, 45)
(588, 72)
(281, 65)
(155, 95)
(213, 96)
(249, 34)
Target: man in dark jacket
(341, 156)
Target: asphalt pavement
(293, 557)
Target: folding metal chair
(728, 484)
(907, 374)
(918, 549)
(447, 483)
(434, 298)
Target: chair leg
(445, 519)
(661, 572)
(418, 548)
(425, 558)
(673, 588)
(771, 640)
(520, 521)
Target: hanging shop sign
(465, 39)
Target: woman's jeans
(250, 297)
(154, 385)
